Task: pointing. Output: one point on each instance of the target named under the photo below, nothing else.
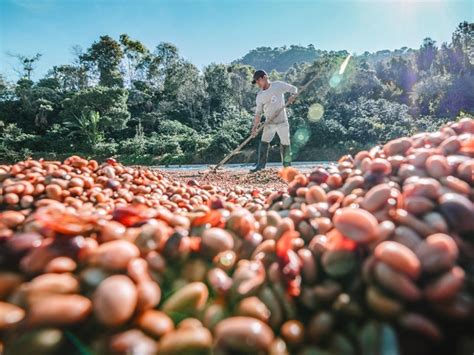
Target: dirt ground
(229, 178)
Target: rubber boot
(262, 157)
(258, 154)
(285, 151)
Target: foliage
(104, 57)
(234, 128)
(279, 58)
(85, 129)
(14, 143)
(148, 106)
(57, 138)
(110, 103)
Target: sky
(219, 31)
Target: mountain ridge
(282, 58)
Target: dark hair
(258, 74)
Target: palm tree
(86, 127)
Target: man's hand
(291, 99)
(254, 131)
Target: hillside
(279, 58)
(283, 58)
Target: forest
(120, 99)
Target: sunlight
(230, 177)
(336, 78)
(343, 67)
(315, 112)
(301, 136)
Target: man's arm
(293, 90)
(258, 114)
(256, 122)
(289, 88)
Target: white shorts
(282, 129)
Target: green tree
(185, 87)
(70, 78)
(135, 54)
(86, 129)
(218, 87)
(463, 42)
(15, 144)
(37, 103)
(110, 103)
(26, 64)
(158, 63)
(241, 81)
(279, 58)
(105, 56)
(159, 106)
(428, 93)
(404, 75)
(458, 97)
(426, 55)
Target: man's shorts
(282, 129)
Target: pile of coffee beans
(374, 254)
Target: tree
(70, 78)
(241, 81)
(404, 76)
(135, 54)
(218, 87)
(463, 41)
(426, 55)
(458, 97)
(183, 93)
(110, 103)
(105, 55)
(358, 80)
(444, 62)
(427, 94)
(37, 103)
(156, 104)
(6, 90)
(86, 129)
(279, 58)
(158, 63)
(27, 64)
(189, 93)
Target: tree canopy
(150, 105)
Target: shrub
(55, 139)
(86, 129)
(105, 149)
(14, 143)
(110, 103)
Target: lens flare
(301, 136)
(336, 78)
(299, 140)
(342, 69)
(315, 112)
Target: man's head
(260, 78)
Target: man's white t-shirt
(271, 100)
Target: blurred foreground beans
(373, 255)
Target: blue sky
(219, 31)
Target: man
(270, 100)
